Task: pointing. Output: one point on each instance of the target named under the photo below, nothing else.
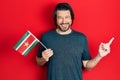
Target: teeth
(64, 25)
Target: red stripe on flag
(26, 44)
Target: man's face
(64, 20)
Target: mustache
(64, 23)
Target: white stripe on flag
(33, 36)
(38, 40)
(22, 42)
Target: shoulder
(49, 33)
(80, 34)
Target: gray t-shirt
(69, 51)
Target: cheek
(70, 21)
(59, 21)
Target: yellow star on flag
(26, 44)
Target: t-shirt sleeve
(41, 48)
(86, 53)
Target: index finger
(111, 40)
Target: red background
(98, 19)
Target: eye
(59, 17)
(67, 17)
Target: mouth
(64, 25)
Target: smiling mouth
(64, 25)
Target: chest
(65, 46)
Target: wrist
(45, 59)
(100, 56)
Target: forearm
(40, 61)
(93, 62)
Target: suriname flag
(26, 43)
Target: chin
(64, 30)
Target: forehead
(63, 13)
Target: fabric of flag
(26, 43)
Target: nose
(63, 20)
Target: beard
(64, 29)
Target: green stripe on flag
(30, 47)
(20, 41)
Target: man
(68, 49)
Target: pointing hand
(104, 48)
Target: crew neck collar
(63, 34)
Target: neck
(63, 33)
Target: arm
(40, 61)
(104, 49)
(46, 54)
(89, 64)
